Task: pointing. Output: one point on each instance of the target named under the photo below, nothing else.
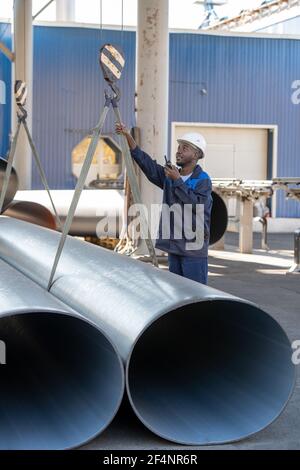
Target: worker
(188, 184)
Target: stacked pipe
(24, 210)
(62, 379)
(35, 207)
(202, 366)
(95, 204)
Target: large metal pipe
(97, 203)
(31, 212)
(63, 380)
(94, 204)
(202, 366)
(12, 185)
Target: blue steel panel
(68, 93)
(248, 82)
(5, 84)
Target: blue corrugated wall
(5, 92)
(248, 81)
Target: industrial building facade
(242, 93)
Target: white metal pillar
(65, 10)
(152, 87)
(23, 70)
(246, 226)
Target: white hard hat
(194, 139)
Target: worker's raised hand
(121, 129)
(172, 173)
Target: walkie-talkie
(168, 163)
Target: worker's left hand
(172, 173)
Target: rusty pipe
(31, 212)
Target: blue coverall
(197, 189)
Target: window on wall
(49, 14)
(111, 12)
(183, 14)
(6, 9)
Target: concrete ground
(260, 277)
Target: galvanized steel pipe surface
(62, 380)
(202, 366)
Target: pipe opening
(62, 382)
(219, 218)
(210, 372)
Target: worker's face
(185, 155)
